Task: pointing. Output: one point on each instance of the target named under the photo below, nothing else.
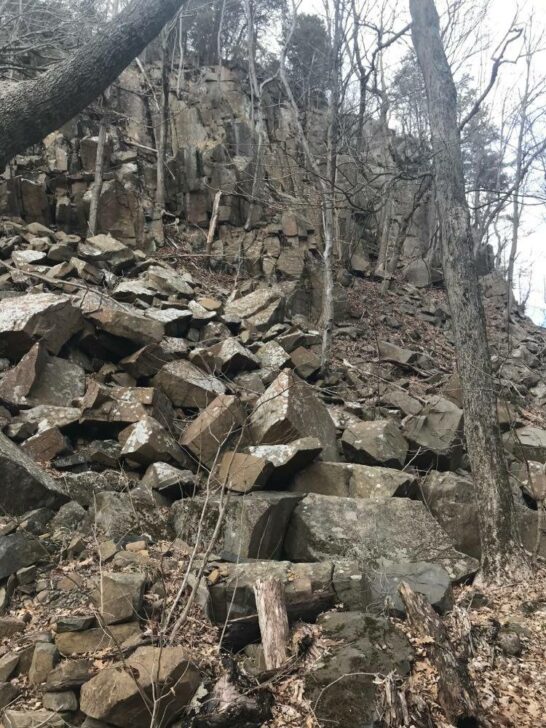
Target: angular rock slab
(220, 422)
(147, 442)
(188, 386)
(47, 317)
(286, 460)
(242, 473)
(18, 550)
(430, 580)
(436, 435)
(288, 410)
(527, 443)
(253, 526)
(116, 697)
(261, 308)
(354, 481)
(119, 597)
(375, 443)
(395, 529)
(370, 646)
(25, 485)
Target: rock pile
(159, 438)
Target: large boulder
(120, 695)
(261, 308)
(436, 435)
(354, 481)
(25, 485)
(252, 527)
(396, 529)
(129, 324)
(527, 443)
(18, 550)
(106, 249)
(147, 442)
(343, 687)
(221, 422)
(188, 386)
(288, 410)
(375, 443)
(47, 317)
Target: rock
(431, 580)
(364, 647)
(527, 443)
(176, 321)
(305, 362)
(59, 383)
(10, 626)
(261, 308)
(33, 719)
(171, 482)
(69, 517)
(146, 362)
(165, 675)
(106, 249)
(288, 410)
(231, 357)
(221, 422)
(69, 675)
(286, 460)
(84, 487)
(46, 317)
(242, 472)
(60, 702)
(8, 663)
(510, 643)
(273, 359)
(8, 693)
(18, 550)
(354, 481)
(43, 661)
(91, 640)
(402, 401)
(403, 357)
(119, 597)
(253, 526)
(147, 441)
(17, 383)
(375, 443)
(436, 435)
(74, 623)
(395, 529)
(188, 386)
(46, 445)
(168, 281)
(118, 515)
(128, 324)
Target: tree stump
(273, 621)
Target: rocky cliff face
(167, 439)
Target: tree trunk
(97, 184)
(162, 134)
(503, 558)
(456, 692)
(33, 109)
(273, 621)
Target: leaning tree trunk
(503, 558)
(33, 109)
(99, 178)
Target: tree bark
(33, 109)
(503, 558)
(273, 621)
(99, 176)
(456, 692)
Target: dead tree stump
(273, 621)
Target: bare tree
(31, 109)
(503, 558)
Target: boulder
(261, 308)
(24, 484)
(343, 687)
(169, 481)
(70, 674)
(118, 597)
(231, 357)
(60, 702)
(176, 321)
(168, 281)
(188, 386)
(436, 435)
(395, 529)
(305, 362)
(375, 443)
(430, 580)
(286, 460)
(252, 527)
(33, 719)
(118, 515)
(46, 445)
(403, 357)
(146, 442)
(289, 409)
(47, 317)
(165, 675)
(128, 324)
(44, 659)
(106, 249)
(527, 443)
(92, 640)
(221, 422)
(242, 472)
(354, 481)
